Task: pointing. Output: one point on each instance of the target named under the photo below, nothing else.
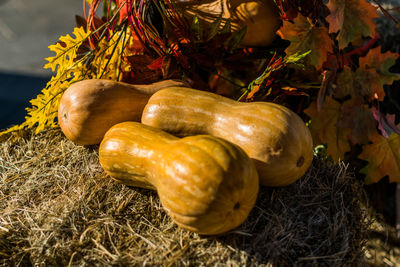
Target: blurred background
(27, 28)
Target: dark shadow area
(15, 92)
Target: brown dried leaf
(358, 118)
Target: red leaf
(123, 13)
(156, 64)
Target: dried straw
(58, 207)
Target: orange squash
(261, 17)
(273, 136)
(89, 108)
(206, 184)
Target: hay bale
(58, 207)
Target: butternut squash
(261, 17)
(273, 136)
(206, 184)
(89, 108)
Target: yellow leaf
(383, 157)
(43, 111)
(65, 49)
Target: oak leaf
(66, 49)
(383, 157)
(352, 19)
(325, 129)
(305, 36)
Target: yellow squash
(206, 184)
(89, 108)
(273, 136)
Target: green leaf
(227, 27)
(214, 27)
(297, 59)
(196, 28)
(236, 39)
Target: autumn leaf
(361, 83)
(381, 62)
(359, 119)
(366, 84)
(305, 36)
(328, 77)
(368, 80)
(344, 83)
(352, 19)
(383, 157)
(43, 111)
(325, 129)
(66, 49)
(386, 123)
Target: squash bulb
(206, 184)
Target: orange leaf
(368, 80)
(383, 157)
(305, 36)
(352, 18)
(325, 129)
(123, 13)
(381, 62)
